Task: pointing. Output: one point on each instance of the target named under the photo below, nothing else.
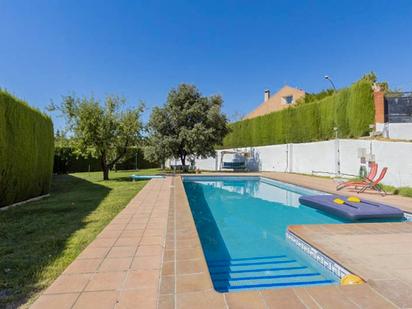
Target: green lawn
(39, 240)
(403, 191)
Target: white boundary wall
(395, 130)
(322, 158)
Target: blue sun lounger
(352, 211)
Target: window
(287, 99)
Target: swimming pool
(242, 222)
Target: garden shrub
(26, 151)
(67, 161)
(351, 110)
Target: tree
(156, 150)
(104, 131)
(383, 86)
(189, 124)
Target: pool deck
(150, 256)
(379, 253)
(328, 185)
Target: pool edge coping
(317, 255)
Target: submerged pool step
(262, 272)
(272, 285)
(266, 277)
(256, 270)
(297, 270)
(273, 260)
(229, 261)
(254, 265)
(270, 281)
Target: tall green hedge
(26, 151)
(351, 110)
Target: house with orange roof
(284, 98)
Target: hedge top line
(4, 92)
(327, 98)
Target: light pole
(331, 81)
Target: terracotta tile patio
(121, 268)
(150, 256)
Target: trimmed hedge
(26, 151)
(65, 161)
(351, 109)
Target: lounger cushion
(234, 165)
(351, 210)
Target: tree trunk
(106, 173)
(105, 167)
(183, 160)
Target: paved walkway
(120, 269)
(379, 253)
(150, 256)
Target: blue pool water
(242, 222)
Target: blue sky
(141, 49)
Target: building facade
(284, 98)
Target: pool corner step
(262, 272)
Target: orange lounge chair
(360, 183)
(376, 185)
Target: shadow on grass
(34, 236)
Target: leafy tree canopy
(371, 76)
(105, 131)
(189, 124)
